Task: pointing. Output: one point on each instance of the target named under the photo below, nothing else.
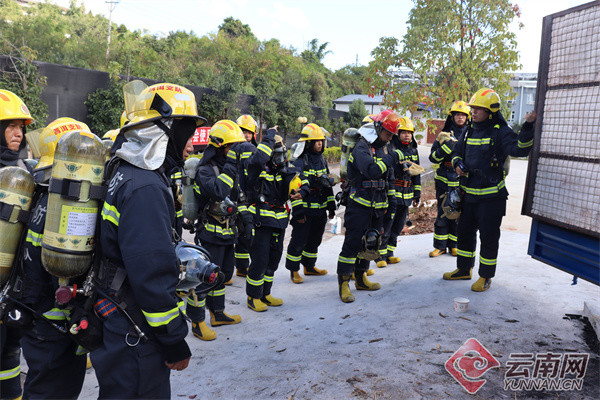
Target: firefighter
(479, 158)
(245, 220)
(140, 268)
(217, 189)
(317, 204)
(457, 123)
(272, 184)
(407, 187)
(176, 187)
(370, 176)
(56, 363)
(14, 117)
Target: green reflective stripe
(242, 255)
(351, 158)
(156, 319)
(216, 293)
(264, 175)
(242, 208)
(452, 237)
(270, 213)
(391, 192)
(110, 213)
(218, 229)
(309, 255)
(446, 149)
(382, 166)
(315, 172)
(305, 182)
(484, 191)
(181, 306)
(436, 157)
(232, 154)
(10, 373)
(201, 303)
(176, 175)
(487, 261)
(197, 188)
(382, 252)
(254, 282)
(347, 260)
(417, 187)
(179, 213)
(297, 203)
(293, 258)
(268, 279)
(330, 198)
(246, 154)
(523, 145)
(400, 155)
(478, 142)
(34, 238)
(265, 149)
(225, 178)
(456, 158)
(464, 253)
(391, 248)
(440, 237)
(57, 314)
(81, 351)
(367, 203)
(405, 196)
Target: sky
(351, 27)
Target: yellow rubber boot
(454, 251)
(344, 288)
(296, 278)
(436, 253)
(314, 271)
(362, 283)
(381, 264)
(457, 275)
(393, 260)
(369, 272)
(203, 332)
(88, 363)
(229, 282)
(272, 301)
(481, 284)
(256, 305)
(240, 273)
(218, 318)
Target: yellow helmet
(486, 98)
(225, 132)
(12, 107)
(405, 124)
(112, 134)
(295, 184)
(368, 119)
(247, 122)
(311, 132)
(461, 107)
(124, 120)
(52, 133)
(163, 100)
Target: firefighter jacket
(269, 188)
(484, 149)
(407, 187)
(317, 193)
(136, 234)
(216, 180)
(176, 187)
(245, 221)
(371, 176)
(445, 175)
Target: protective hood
(368, 132)
(145, 146)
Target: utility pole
(111, 7)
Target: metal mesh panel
(565, 188)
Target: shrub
(332, 154)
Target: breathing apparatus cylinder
(189, 202)
(349, 140)
(74, 192)
(16, 191)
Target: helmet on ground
(311, 132)
(163, 100)
(50, 136)
(388, 120)
(486, 98)
(461, 107)
(247, 122)
(225, 132)
(406, 124)
(12, 107)
(124, 120)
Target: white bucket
(461, 304)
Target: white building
(374, 105)
(525, 85)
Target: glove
(443, 137)
(415, 169)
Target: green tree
(316, 52)
(356, 113)
(105, 107)
(221, 103)
(235, 28)
(22, 77)
(452, 48)
(293, 101)
(264, 107)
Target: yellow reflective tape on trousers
(347, 260)
(110, 213)
(156, 319)
(242, 255)
(367, 203)
(225, 178)
(478, 142)
(268, 279)
(192, 302)
(269, 213)
(34, 238)
(255, 282)
(487, 261)
(10, 373)
(484, 191)
(464, 253)
(215, 293)
(309, 255)
(265, 149)
(293, 258)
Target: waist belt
(447, 164)
(374, 184)
(402, 183)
